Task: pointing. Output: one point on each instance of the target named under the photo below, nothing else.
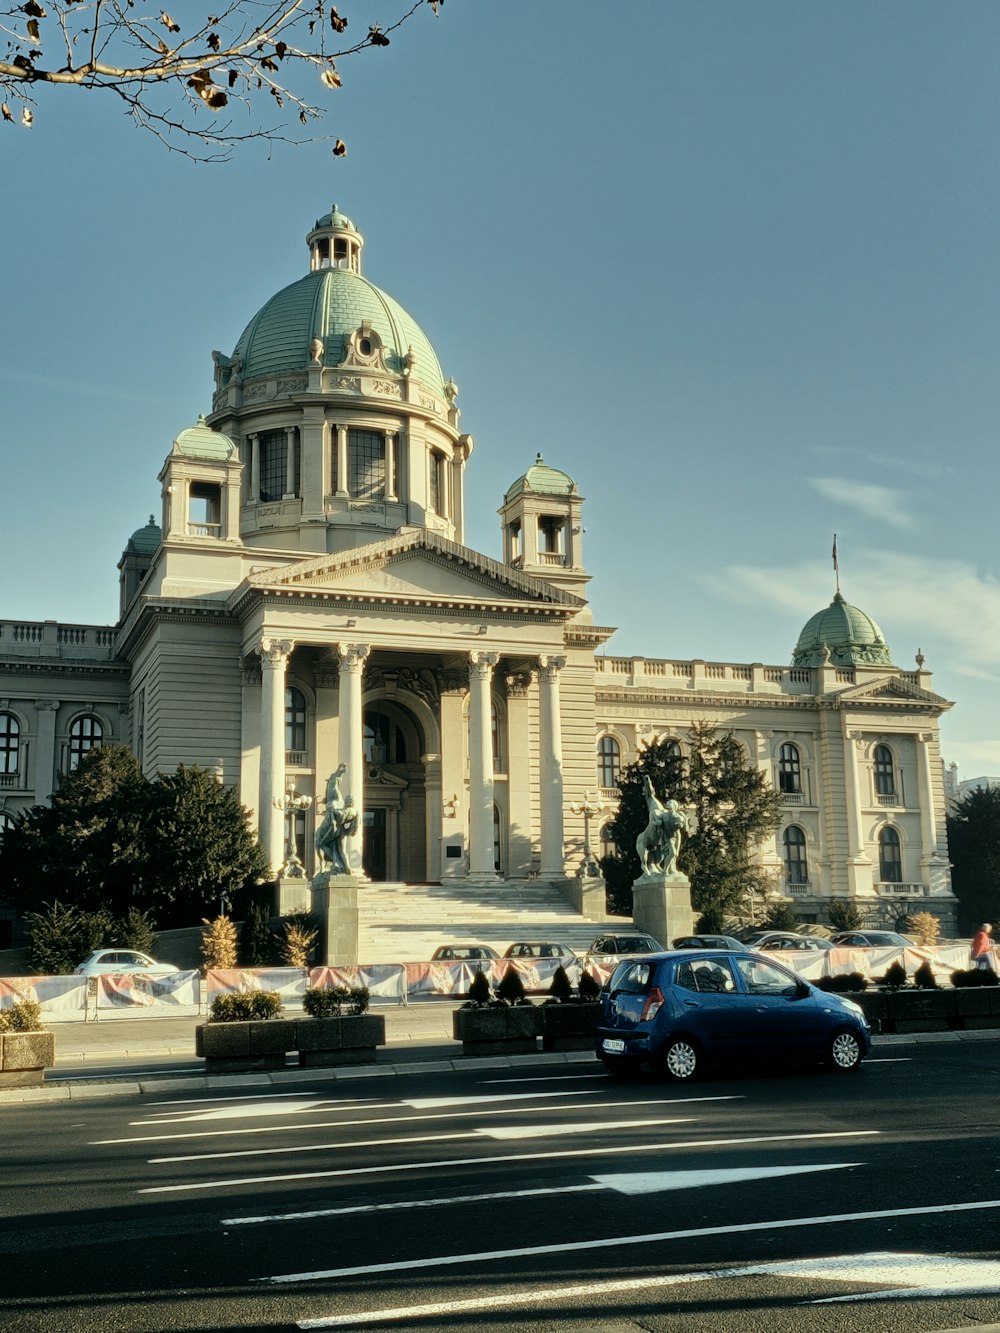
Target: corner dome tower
(346, 427)
(841, 635)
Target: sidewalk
(418, 1040)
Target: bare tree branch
(175, 83)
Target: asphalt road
(544, 1197)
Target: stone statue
(659, 844)
(316, 350)
(339, 822)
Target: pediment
(415, 568)
(892, 690)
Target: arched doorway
(394, 846)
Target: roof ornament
(921, 659)
(836, 564)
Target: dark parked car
(710, 942)
(785, 939)
(607, 950)
(463, 953)
(870, 939)
(540, 949)
(676, 1011)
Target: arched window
(890, 856)
(609, 761)
(499, 752)
(671, 749)
(789, 768)
(10, 742)
(385, 742)
(796, 865)
(84, 734)
(885, 775)
(295, 719)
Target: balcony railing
(296, 759)
(900, 890)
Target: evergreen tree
(974, 846)
(731, 808)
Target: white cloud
(878, 502)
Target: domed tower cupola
(335, 242)
(841, 635)
(542, 522)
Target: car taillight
(654, 1002)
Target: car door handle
(692, 1004)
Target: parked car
(119, 962)
(709, 942)
(675, 1011)
(540, 949)
(870, 939)
(769, 940)
(463, 953)
(606, 950)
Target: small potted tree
(245, 1031)
(26, 1048)
(569, 1021)
(507, 1025)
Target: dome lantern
(335, 242)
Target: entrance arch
(394, 846)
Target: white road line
(540, 1297)
(376, 1120)
(629, 1183)
(247, 1110)
(609, 1242)
(563, 1154)
(436, 1202)
(527, 1132)
(543, 1078)
(262, 1097)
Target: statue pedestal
(293, 895)
(661, 906)
(335, 906)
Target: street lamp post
(589, 808)
(292, 867)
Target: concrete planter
(229, 1048)
(350, 1039)
(506, 1030)
(569, 1027)
(921, 1010)
(875, 1006)
(24, 1056)
(978, 1006)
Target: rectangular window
(273, 464)
(366, 464)
(434, 489)
(204, 509)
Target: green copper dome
(543, 480)
(144, 541)
(331, 303)
(842, 636)
(201, 441)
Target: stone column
(45, 749)
(858, 863)
(352, 742)
(274, 654)
(453, 798)
(518, 777)
(481, 768)
(550, 767)
(254, 467)
(390, 465)
(342, 489)
(289, 462)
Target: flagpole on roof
(836, 564)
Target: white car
(118, 962)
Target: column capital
(275, 652)
(353, 656)
(481, 664)
(549, 667)
(47, 705)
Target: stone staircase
(405, 923)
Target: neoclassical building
(310, 598)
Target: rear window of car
(632, 977)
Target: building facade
(309, 599)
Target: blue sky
(734, 266)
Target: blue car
(676, 1011)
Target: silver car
(120, 962)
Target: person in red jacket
(982, 946)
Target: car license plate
(613, 1044)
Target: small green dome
(543, 480)
(201, 441)
(144, 541)
(841, 635)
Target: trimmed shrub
(242, 1006)
(974, 976)
(256, 940)
(479, 990)
(560, 987)
(295, 944)
(924, 977)
(926, 926)
(589, 988)
(329, 1001)
(62, 936)
(844, 914)
(511, 988)
(22, 1016)
(781, 916)
(136, 931)
(218, 942)
(895, 976)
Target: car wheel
(680, 1059)
(845, 1052)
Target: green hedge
(242, 1006)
